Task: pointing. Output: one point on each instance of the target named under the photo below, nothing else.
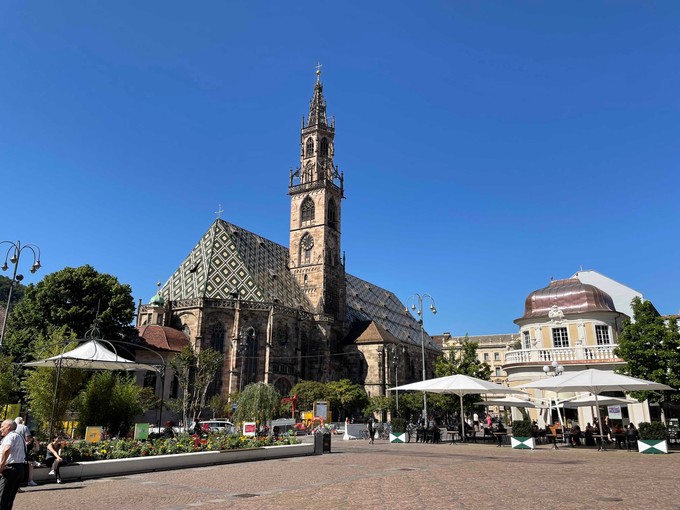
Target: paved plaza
(391, 476)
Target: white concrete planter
(116, 467)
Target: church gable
(229, 259)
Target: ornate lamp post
(245, 336)
(416, 301)
(394, 351)
(13, 255)
(555, 369)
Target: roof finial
(318, 71)
(219, 211)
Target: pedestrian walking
(12, 459)
(371, 430)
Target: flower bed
(82, 451)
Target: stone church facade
(285, 314)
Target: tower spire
(317, 106)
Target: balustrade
(547, 355)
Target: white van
(217, 425)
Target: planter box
(652, 446)
(116, 467)
(522, 443)
(399, 437)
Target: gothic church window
(332, 214)
(309, 147)
(307, 209)
(217, 337)
(323, 147)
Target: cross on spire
(219, 211)
(318, 71)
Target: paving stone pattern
(391, 476)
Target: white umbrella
(595, 381)
(91, 355)
(458, 384)
(510, 401)
(603, 401)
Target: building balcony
(571, 355)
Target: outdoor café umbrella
(458, 384)
(509, 401)
(595, 381)
(602, 400)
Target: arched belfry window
(306, 246)
(332, 214)
(309, 147)
(323, 147)
(307, 209)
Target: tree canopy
(257, 402)
(70, 299)
(650, 346)
(17, 292)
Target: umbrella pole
(599, 422)
(55, 397)
(462, 420)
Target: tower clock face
(307, 242)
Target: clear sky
(487, 146)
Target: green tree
(219, 405)
(17, 292)
(380, 405)
(463, 361)
(650, 345)
(70, 298)
(257, 402)
(111, 400)
(7, 380)
(345, 397)
(308, 392)
(195, 371)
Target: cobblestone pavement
(391, 476)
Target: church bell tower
(316, 191)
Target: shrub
(399, 425)
(521, 428)
(656, 431)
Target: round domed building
(572, 324)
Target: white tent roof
(595, 381)
(91, 355)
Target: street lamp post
(13, 255)
(395, 364)
(244, 337)
(555, 369)
(416, 301)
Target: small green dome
(157, 300)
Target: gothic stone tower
(316, 197)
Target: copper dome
(570, 296)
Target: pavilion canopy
(91, 355)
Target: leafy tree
(463, 361)
(650, 345)
(17, 292)
(308, 392)
(380, 405)
(195, 371)
(112, 401)
(7, 380)
(257, 402)
(70, 298)
(219, 406)
(344, 397)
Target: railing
(579, 353)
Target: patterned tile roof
(228, 259)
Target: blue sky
(487, 146)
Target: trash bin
(327, 442)
(318, 443)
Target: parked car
(217, 425)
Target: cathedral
(280, 314)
